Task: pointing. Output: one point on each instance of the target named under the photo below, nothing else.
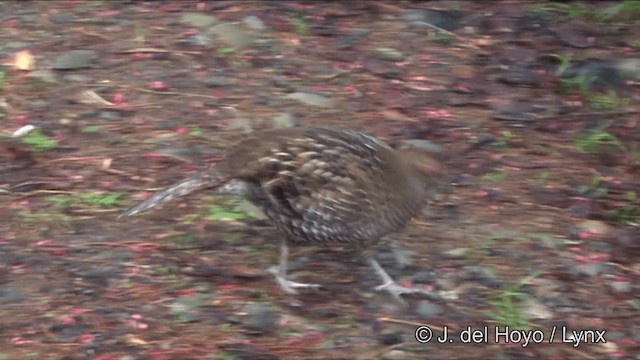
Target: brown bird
(321, 185)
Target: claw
(394, 288)
(280, 273)
(289, 286)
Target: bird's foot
(396, 290)
(289, 286)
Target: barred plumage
(321, 184)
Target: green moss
(38, 141)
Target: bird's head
(426, 157)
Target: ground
(104, 102)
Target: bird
(320, 186)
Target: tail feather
(184, 187)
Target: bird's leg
(280, 273)
(392, 287)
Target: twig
(157, 50)
(607, 113)
(167, 92)
(437, 28)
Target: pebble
(260, 318)
(232, 35)
(428, 309)
(254, 23)
(75, 59)
(396, 355)
(198, 20)
(311, 99)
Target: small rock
(587, 270)
(188, 308)
(196, 40)
(254, 23)
(595, 227)
(413, 15)
(534, 309)
(389, 54)
(241, 124)
(392, 338)
(76, 59)
(424, 277)
(620, 286)
(311, 99)
(232, 35)
(457, 253)
(110, 115)
(427, 145)
(396, 355)
(260, 318)
(629, 69)
(283, 121)
(198, 20)
(428, 309)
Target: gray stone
(188, 308)
(629, 69)
(198, 20)
(75, 59)
(428, 309)
(283, 121)
(620, 286)
(534, 309)
(589, 269)
(254, 23)
(260, 318)
(396, 355)
(232, 35)
(389, 54)
(413, 16)
(457, 253)
(311, 99)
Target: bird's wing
(325, 197)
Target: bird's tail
(187, 186)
